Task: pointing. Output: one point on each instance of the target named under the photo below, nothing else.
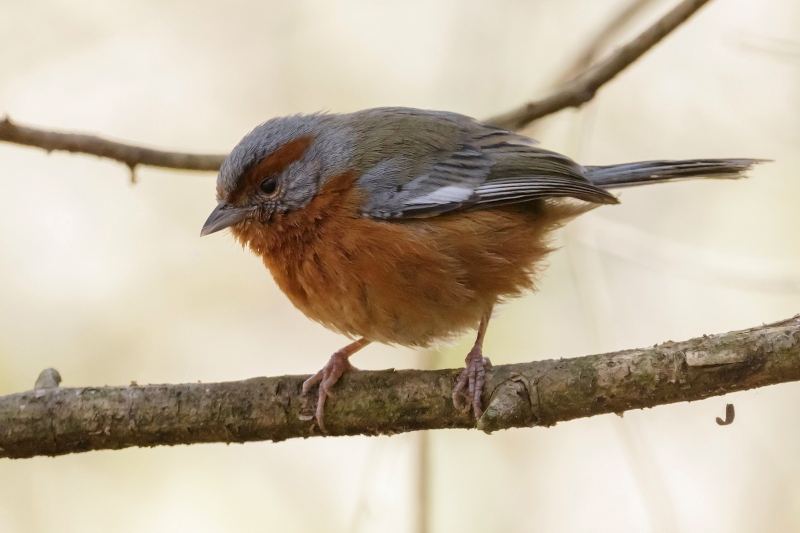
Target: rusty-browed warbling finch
(405, 226)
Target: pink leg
(470, 383)
(338, 364)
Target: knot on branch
(511, 405)
(49, 378)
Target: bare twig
(54, 421)
(583, 88)
(90, 144)
(577, 92)
(594, 47)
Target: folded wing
(450, 162)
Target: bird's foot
(338, 364)
(470, 383)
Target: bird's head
(278, 167)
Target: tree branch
(575, 93)
(54, 421)
(128, 154)
(583, 88)
(595, 46)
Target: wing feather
(486, 167)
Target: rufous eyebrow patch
(273, 164)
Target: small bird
(404, 226)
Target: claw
(307, 384)
(338, 364)
(470, 383)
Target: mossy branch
(56, 421)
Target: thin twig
(53, 421)
(595, 46)
(583, 88)
(128, 154)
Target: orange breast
(406, 282)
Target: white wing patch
(444, 195)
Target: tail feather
(644, 172)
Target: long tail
(644, 172)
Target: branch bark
(574, 94)
(54, 421)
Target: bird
(408, 227)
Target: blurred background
(108, 281)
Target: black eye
(269, 186)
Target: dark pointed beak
(223, 216)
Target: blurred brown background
(109, 282)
